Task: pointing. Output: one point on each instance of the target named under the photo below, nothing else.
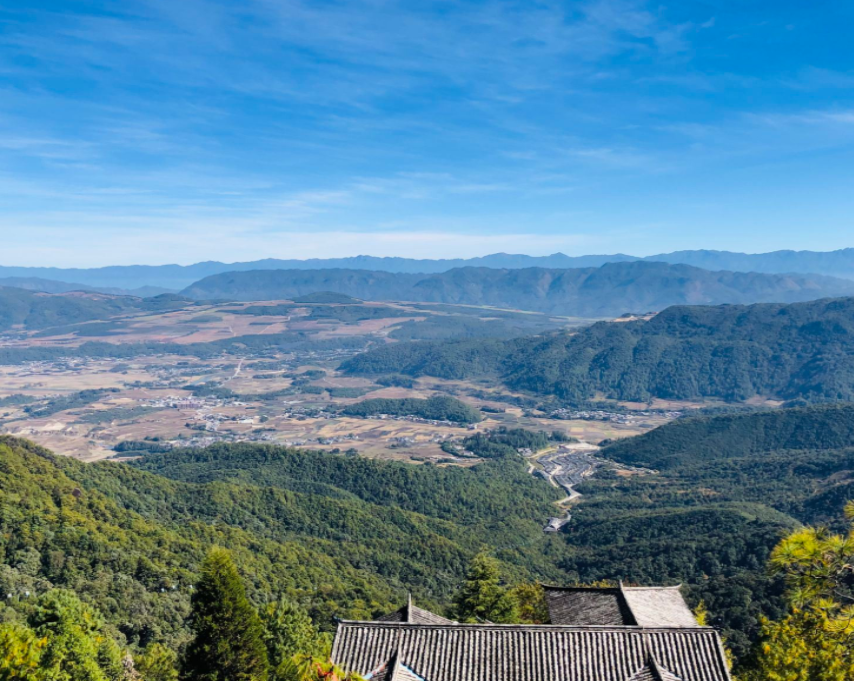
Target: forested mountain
(33, 311)
(834, 263)
(798, 461)
(727, 489)
(609, 290)
(732, 352)
(347, 537)
(703, 440)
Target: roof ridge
(531, 627)
(628, 604)
(611, 588)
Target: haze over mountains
(175, 277)
(609, 290)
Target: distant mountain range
(175, 277)
(607, 291)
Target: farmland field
(200, 373)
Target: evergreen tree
(229, 638)
(288, 631)
(482, 597)
(816, 640)
(530, 599)
(20, 652)
(76, 648)
(157, 663)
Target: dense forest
(345, 537)
(437, 408)
(710, 522)
(802, 351)
(606, 291)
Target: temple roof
(652, 671)
(393, 670)
(621, 605)
(478, 652)
(413, 615)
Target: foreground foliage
(816, 639)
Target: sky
(159, 131)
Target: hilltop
(730, 352)
(32, 310)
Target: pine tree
(229, 638)
(20, 652)
(157, 663)
(75, 645)
(288, 631)
(482, 597)
(816, 640)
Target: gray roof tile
(623, 605)
(476, 652)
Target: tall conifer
(229, 640)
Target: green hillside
(130, 541)
(801, 351)
(33, 311)
(703, 440)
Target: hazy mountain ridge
(838, 263)
(609, 290)
(39, 285)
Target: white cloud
(135, 242)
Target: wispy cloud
(268, 119)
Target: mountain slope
(332, 535)
(704, 440)
(799, 351)
(36, 310)
(609, 290)
(797, 461)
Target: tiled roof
(477, 652)
(652, 671)
(643, 606)
(659, 607)
(413, 615)
(587, 607)
(393, 670)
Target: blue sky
(158, 131)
